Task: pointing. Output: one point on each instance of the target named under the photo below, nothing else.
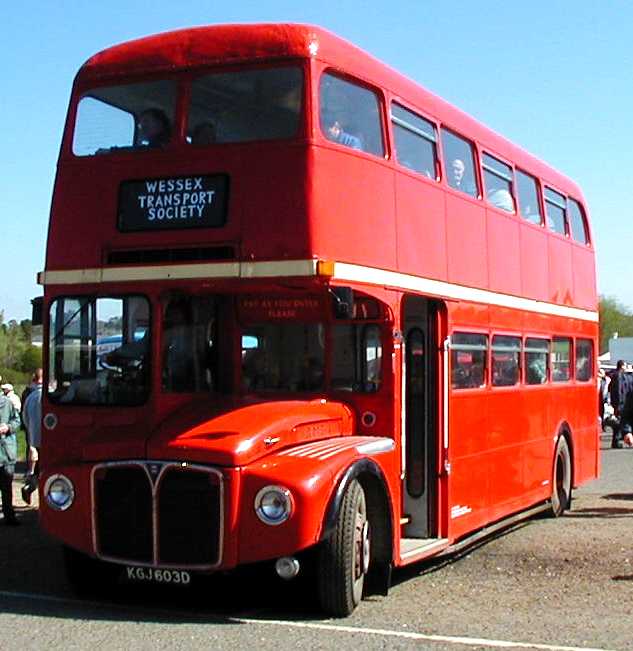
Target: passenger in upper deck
(204, 134)
(153, 128)
(334, 131)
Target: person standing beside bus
(32, 418)
(9, 425)
(619, 388)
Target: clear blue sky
(555, 77)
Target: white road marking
(410, 635)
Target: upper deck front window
(245, 105)
(129, 116)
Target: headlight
(59, 492)
(273, 504)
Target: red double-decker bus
(298, 309)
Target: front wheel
(344, 556)
(561, 480)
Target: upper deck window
(128, 116)
(350, 115)
(498, 181)
(459, 163)
(577, 223)
(416, 141)
(245, 105)
(555, 206)
(528, 198)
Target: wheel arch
(379, 509)
(564, 430)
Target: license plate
(157, 575)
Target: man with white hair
(8, 391)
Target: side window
(555, 206)
(528, 198)
(372, 357)
(459, 163)
(577, 223)
(356, 363)
(536, 360)
(416, 141)
(498, 183)
(468, 360)
(506, 360)
(350, 115)
(584, 360)
(561, 359)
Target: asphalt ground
(544, 584)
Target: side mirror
(37, 305)
(343, 302)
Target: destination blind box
(173, 203)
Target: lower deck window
(561, 359)
(536, 360)
(283, 357)
(468, 360)
(506, 355)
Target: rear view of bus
(277, 331)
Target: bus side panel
(421, 227)
(561, 285)
(504, 260)
(467, 248)
(352, 208)
(534, 263)
(584, 277)
(470, 473)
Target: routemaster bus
(353, 327)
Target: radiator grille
(188, 519)
(180, 505)
(123, 498)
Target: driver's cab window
(357, 349)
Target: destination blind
(173, 203)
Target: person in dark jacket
(9, 425)
(621, 386)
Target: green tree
(31, 359)
(614, 317)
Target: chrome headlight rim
(69, 490)
(285, 501)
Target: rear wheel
(344, 556)
(561, 480)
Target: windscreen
(99, 350)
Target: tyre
(89, 577)
(561, 479)
(344, 557)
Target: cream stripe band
(342, 271)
